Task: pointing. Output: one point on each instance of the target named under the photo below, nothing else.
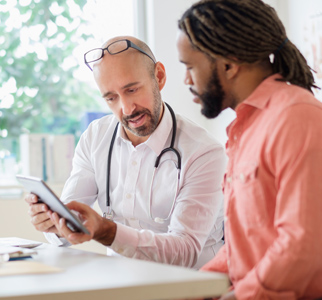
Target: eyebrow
(184, 62)
(123, 88)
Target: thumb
(79, 207)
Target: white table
(91, 276)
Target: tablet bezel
(39, 187)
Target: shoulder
(99, 127)
(195, 137)
(288, 95)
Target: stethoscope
(109, 213)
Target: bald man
(172, 216)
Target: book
(47, 156)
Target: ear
(230, 69)
(160, 74)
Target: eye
(110, 98)
(132, 90)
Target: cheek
(116, 110)
(201, 81)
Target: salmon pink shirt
(273, 195)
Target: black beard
(213, 97)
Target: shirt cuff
(126, 240)
(250, 287)
(53, 239)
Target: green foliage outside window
(37, 67)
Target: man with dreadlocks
(237, 55)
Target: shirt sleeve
(294, 155)
(198, 205)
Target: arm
(294, 154)
(198, 206)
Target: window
(45, 87)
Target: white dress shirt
(193, 234)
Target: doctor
(172, 216)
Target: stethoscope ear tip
(158, 220)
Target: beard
(213, 97)
(152, 116)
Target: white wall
(162, 28)
(161, 36)
(162, 18)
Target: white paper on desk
(18, 242)
(15, 252)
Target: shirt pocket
(250, 202)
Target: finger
(31, 198)
(41, 222)
(46, 226)
(39, 218)
(35, 209)
(60, 224)
(79, 207)
(78, 238)
(73, 237)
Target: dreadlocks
(245, 31)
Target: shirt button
(134, 163)
(242, 177)
(235, 137)
(128, 196)
(229, 179)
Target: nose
(188, 79)
(128, 106)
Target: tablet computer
(39, 187)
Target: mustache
(136, 114)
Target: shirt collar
(158, 138)
(259, 97)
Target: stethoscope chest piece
(108, 214)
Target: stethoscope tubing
(109, 213)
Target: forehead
(188, 53)
(115, 71)
(184, 45)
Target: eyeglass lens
(117, 47)
(94, 55)
(114, 48)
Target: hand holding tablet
(38, 187)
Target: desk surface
(89, 275)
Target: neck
(251, 77)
